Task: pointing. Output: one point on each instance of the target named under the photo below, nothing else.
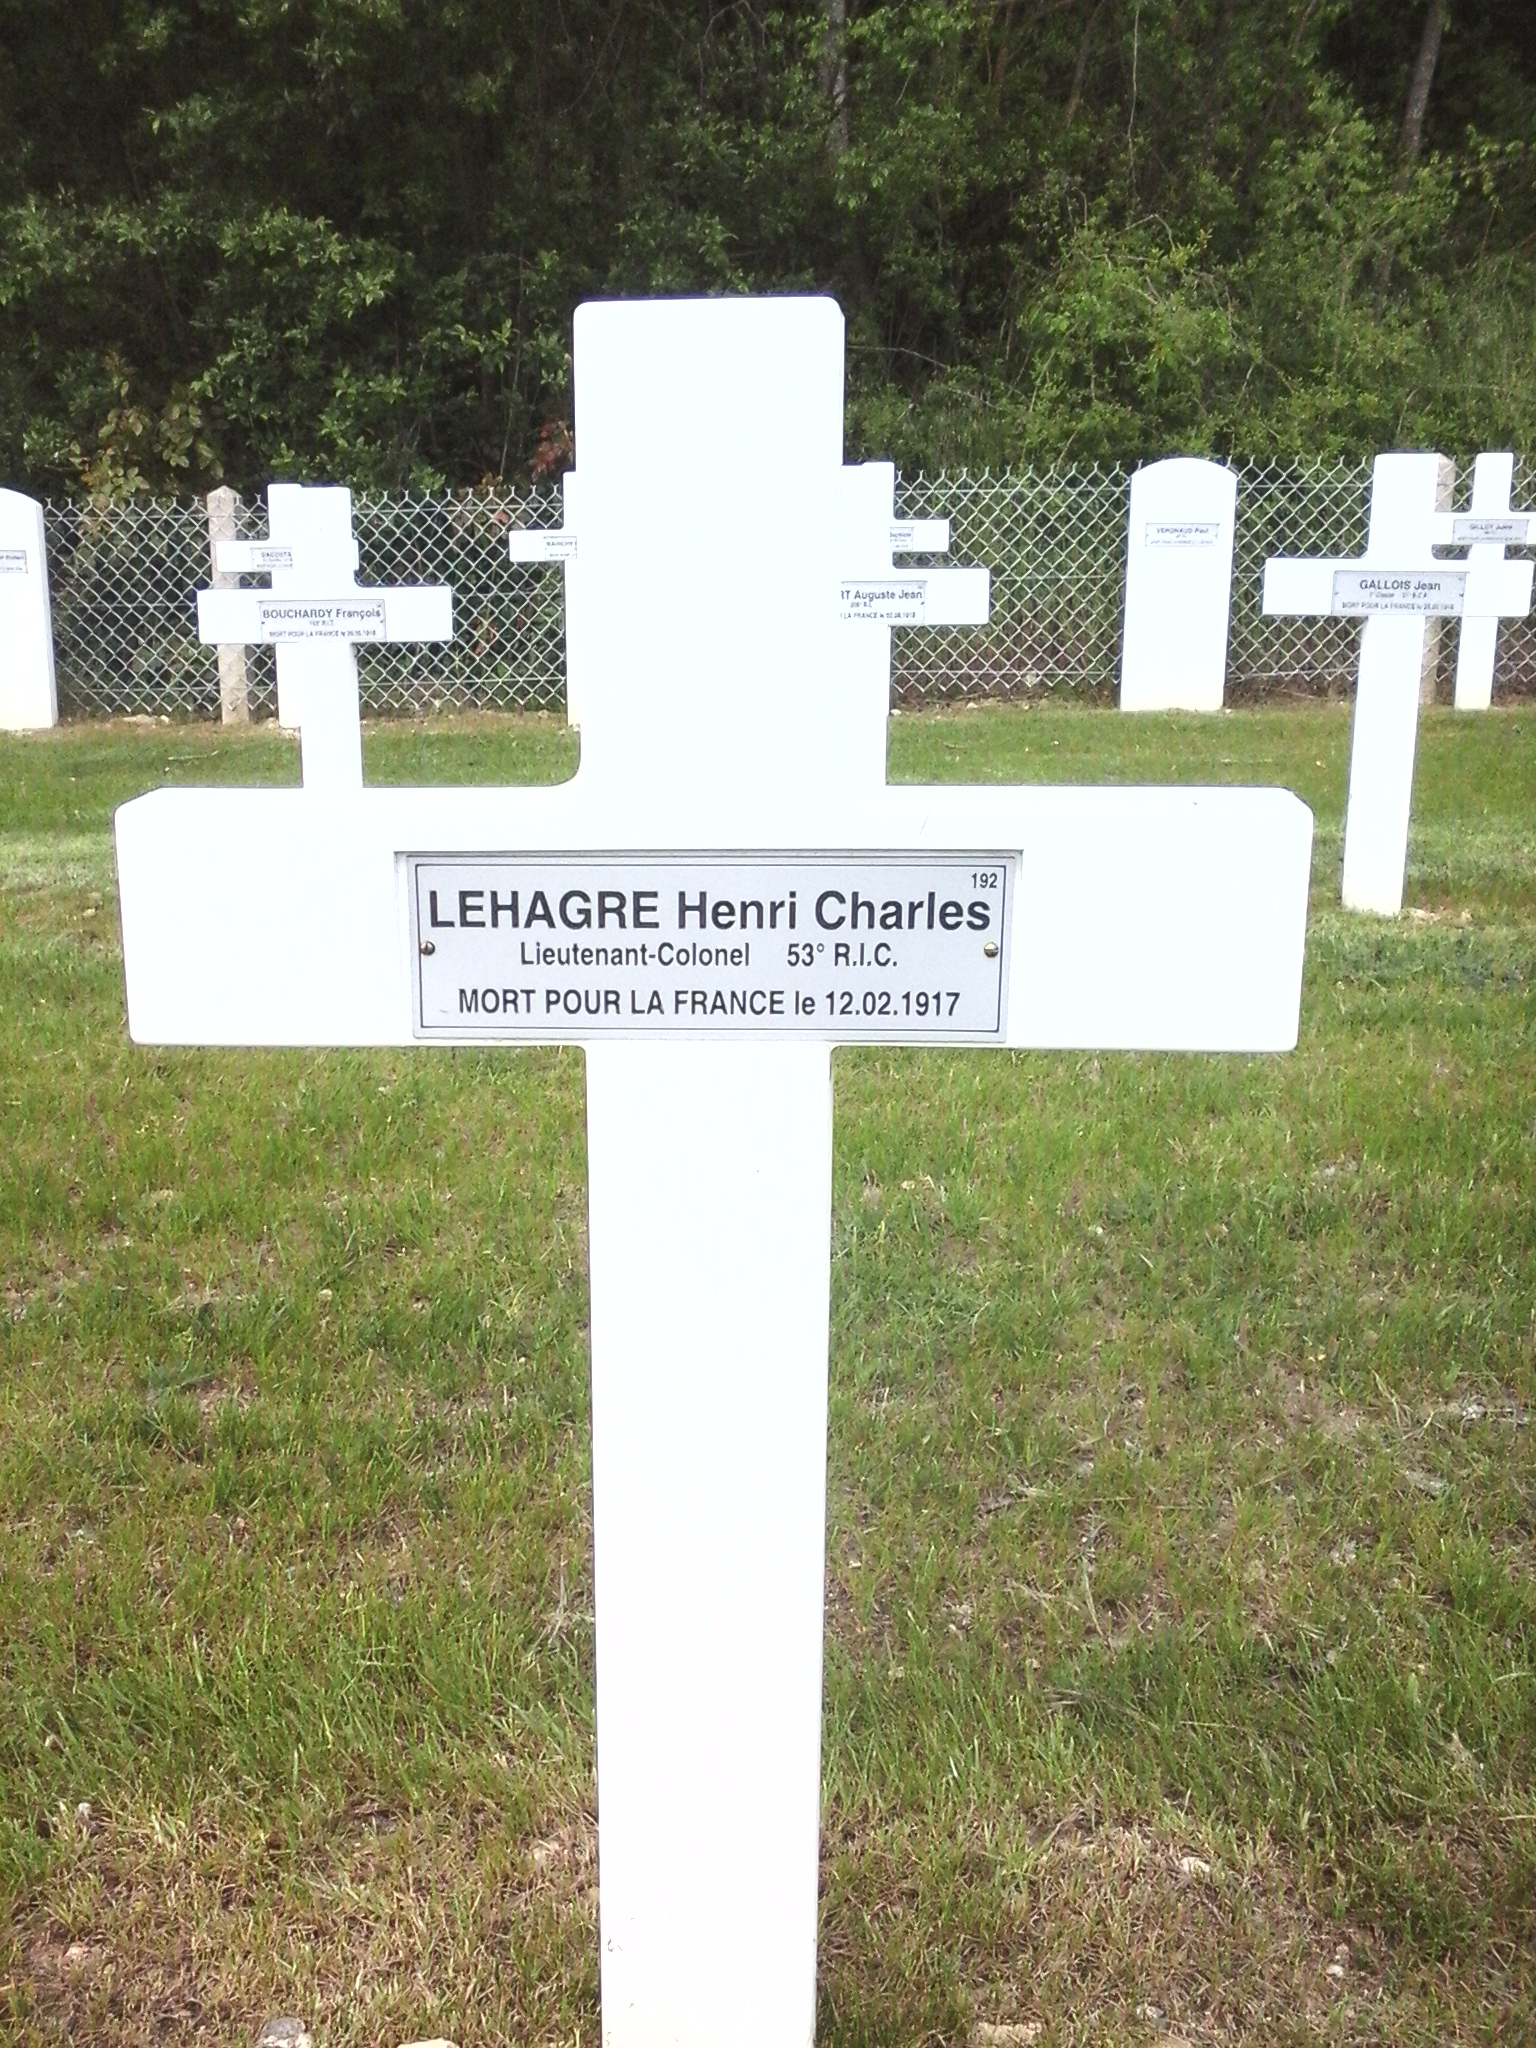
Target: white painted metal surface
(1398, 586)
(29, 698)
(1495, 587)
(720, 711)
(1178, 586)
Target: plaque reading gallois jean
(826, 946)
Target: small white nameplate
(1472, 529)
(525, 546)
(920, 537)
(13, 562)
(301, 618)
(851, 948)
(894, 602)
(252, 557)
(1361, 593)
(1181, 533)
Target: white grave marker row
(1396, 587)
(729, 847)
(28, 694)
(1178, 585)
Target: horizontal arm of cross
(1484, 529)
(255, 617)
(544, 544)
(1141, 918)
(1345, 588)
(260, 557)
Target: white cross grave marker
(1178, 585)
(1397, 586)
(29, 697)
(316, 614)
(874, 596)
(726, 888)
(1486, 528)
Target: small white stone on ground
(1005, 2034)
(285, 2033)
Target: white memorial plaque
(1183, 533)
(293, 618)
(846, 948)
(1410, 593)
(900, 602)
(1468, 530)
(727, 729)
(28, 693)
(920, 537)
(1178, 585)
(251, 558)
(541, 546)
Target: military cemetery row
(1083, 594)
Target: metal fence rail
(124, 579)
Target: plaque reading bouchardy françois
(303, 618)
(836, 946)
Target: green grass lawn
(1181, 1660)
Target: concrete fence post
(234, 695)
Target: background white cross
(1397, 587)
(1494, 585)
(316, 615)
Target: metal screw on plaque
(429, 945)
(990, 949)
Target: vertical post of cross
(234, 694)
(1396, 653)
(319, 676)
(1493, 480)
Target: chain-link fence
(124, 581)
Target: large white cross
(1397, 586)
(685, 909)
(1486, 528)
(316, 615)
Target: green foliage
(345, 237)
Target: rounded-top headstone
(28, 695)
(1178, 586)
